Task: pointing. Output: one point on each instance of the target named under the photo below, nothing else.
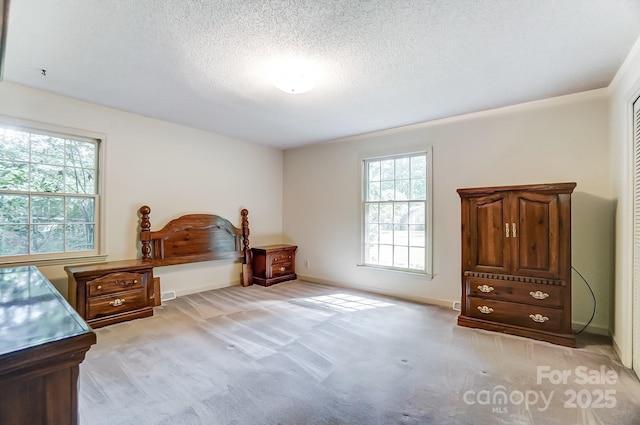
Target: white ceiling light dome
(294, 75)
(295, 82)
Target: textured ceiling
(378, 64)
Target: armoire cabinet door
(535, 234)
(488, 246)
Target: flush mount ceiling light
(295, 82)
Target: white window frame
(428, 151)
(64, 258)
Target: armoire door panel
(536, 239)
(490, 244)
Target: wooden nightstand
(112, 292)
(273, 263)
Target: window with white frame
(49, 195)
(396, 212)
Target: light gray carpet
(302, 353)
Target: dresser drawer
(518, 292)
(529, 316)
(114, 282)
(114, 304)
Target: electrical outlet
(306, 264)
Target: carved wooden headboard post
(145, 232)
(247, 275)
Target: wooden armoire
(516, 260)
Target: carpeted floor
(303, 353)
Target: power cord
(593, 313)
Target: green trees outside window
(48, 193)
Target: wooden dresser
(43, 341)
(113, 292)
(516, 260)
(273, 263)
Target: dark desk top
(33, 312)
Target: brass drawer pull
(538, 318)
(99, 287)
(539, 295)
(506, 229)
(485, 310)
(485, 288)
(117, 302)
(283, 269)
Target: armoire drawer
(533, 317)
(518, 292)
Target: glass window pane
(400, 212)
(373, 194)
(81, 154)
(46, 178)
(47, 209)
(80, 180)
(80, 210)
(402, 168)
(371, 254)
(47, 149)
(386, 233)
(374, 171)
(403, 190)
(14, 239)
(387, 169)
(386, 213)
(386, 255)
(371, 213)
(388, 191)
(79, 237)
(416, 258)
(15, 145)
(47, 238)
(419, 166)
(401, 257)
(14, 209)
(417, 235)
(416, 213)
(400, 234)
(14, 176)
(371, 233)
(418, 190)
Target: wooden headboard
(196, 237)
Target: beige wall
(555, 140)
(173, 169)
(623, 91)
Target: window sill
(45, 262)
(417, 274)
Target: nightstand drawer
(533, 317)
(280, 269)
(526, 293)
(114, 282)
(281, 257)
(118, 303)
